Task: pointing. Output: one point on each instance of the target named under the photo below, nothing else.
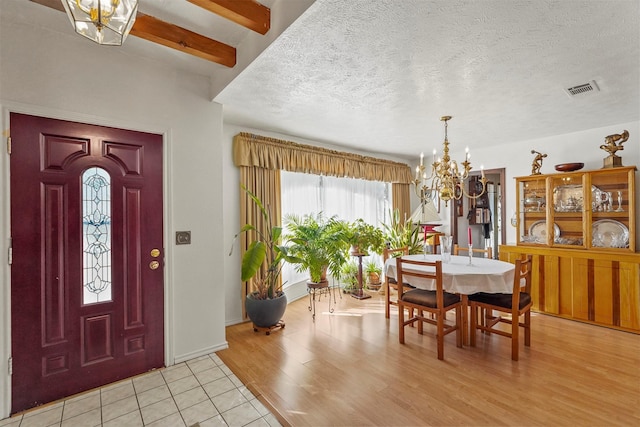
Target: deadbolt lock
(155, 253)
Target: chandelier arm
(82, 8)
(103, 16)
(114, 6)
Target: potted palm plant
(262, 265)
(316, 245)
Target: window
(347, 198)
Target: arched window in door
(96, 235)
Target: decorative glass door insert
(96, 232)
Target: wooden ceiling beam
(152, 29)
(248, 13)
(53, 4)
(149, 28)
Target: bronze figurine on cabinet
(612, 144)
(537, 162)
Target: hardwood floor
(348, 369)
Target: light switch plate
(183, 237)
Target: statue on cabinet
(612, 144)
(537, 162)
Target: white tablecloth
(485, 275)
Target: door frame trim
(7, 107)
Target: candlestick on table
(470, 245)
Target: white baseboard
(202, 352)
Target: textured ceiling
(378, 74)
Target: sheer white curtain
(351, 199)
(347, 198)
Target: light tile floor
(202, 390)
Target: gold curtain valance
(271, 153)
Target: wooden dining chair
(516, 304)
(390, 282)
(486, 252)
(437, 302)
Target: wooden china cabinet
(580, 228)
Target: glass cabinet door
(532, 211)
(570, 201)
(610, 195)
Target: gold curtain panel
(271, 153)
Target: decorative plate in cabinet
(609, 233)
(538, 232)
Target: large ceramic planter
(265, 313)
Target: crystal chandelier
(105, 22)
(446, 179)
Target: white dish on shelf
(538, 231)
(609, 233)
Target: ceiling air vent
(582, 89)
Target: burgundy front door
(87, 269)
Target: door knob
(154, 265)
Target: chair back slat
(391, 252)
(390, 282)
(522, 276)
(521, 281)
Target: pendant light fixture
(105, 22)
(447, 179)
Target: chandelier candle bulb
(421, 158)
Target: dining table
(461, 275)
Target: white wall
(61, 75)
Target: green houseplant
(398, 234)
(316, 244)
(364, 237)
(262, 265)
(373, 271)
(349, 276)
